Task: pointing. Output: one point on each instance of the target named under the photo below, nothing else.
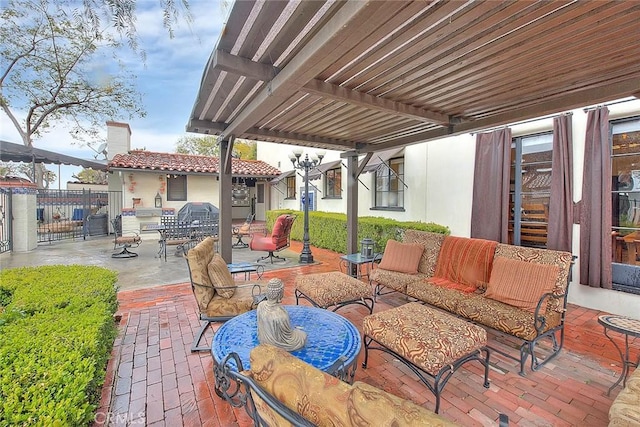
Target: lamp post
(307, 164)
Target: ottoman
(433, 344)
(333, 289)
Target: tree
(91, 176)
(26, 170)
(60, 62)
(208, 146)
(201, 145)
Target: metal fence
(5, 220)
(70, 214)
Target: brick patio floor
(153, 379)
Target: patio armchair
(122, 241)
(277, 241)
(218, 296)
(243, 231)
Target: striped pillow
(401, 257)
(520, 283)
(220, 276)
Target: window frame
(617, 192)
(517, 168)
(177, 184)
(333, 191)
(390, 175)
(290, 183)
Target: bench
(431, 343)
(333, 289)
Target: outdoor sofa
(282, 390)
(518, 291)
(625, 410)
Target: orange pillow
(520, 283)
(401, 257)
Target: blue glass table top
(329, 337)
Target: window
(333, 183)
(177, 188)
(530, 189)
(625, 189)
(291, 187)
(390, 185)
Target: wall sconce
(158, 200)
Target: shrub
(328, 230)
(56, 335)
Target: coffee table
(333, 342)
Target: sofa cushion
(431, 242)
(625, 409)
(401, 257)
(520, 283)
(301, 387)
(465, 261)
(375, 407)
(394, 280)
(326, 401)
(503, 317)
(438, 296)
(220, 276)
(198, 259)
(241, 302)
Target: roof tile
(174, 162)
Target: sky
(168, 82)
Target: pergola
(364, 76)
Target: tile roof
(188, 163)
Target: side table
(355, 263)
(628, 327)
(246, 268)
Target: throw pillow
(520, 283)
(220, 276)
(401, 257)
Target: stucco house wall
(439, 176)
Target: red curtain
(490, 206)
(595, 212)
(559, 235)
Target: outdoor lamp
(158, 200)
(366, 247)
(306, 164)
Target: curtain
(490, 206)
(595, 213)
(561, 201)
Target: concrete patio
(153, 379)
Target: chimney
(118, 139)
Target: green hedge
(328, 230)
(56, 335)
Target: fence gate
(5, 220)
(68, 214)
